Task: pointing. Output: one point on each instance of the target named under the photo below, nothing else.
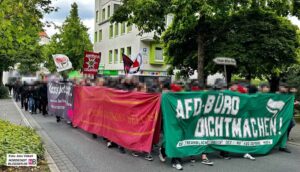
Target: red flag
(91, 62)
(136, 64)
(127, 63)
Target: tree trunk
(200, 54)
(274, 83)
(1, 77)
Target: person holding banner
(292, 90)
(176, 162)
(284, 89)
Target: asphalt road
(91, 155)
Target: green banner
(203, 122)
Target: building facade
(114, 39)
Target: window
(97, 15)
(111, 31)
(116, 56)
(128, 51)
(116, 29)
(100, 35)
(129, 28)
(123, 26)
(159, 54)
(95, 37)
(122, 51)
(108, 11)
(103, 14)
(110, 57)
(116, 6)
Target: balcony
(148, 37)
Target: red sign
(130, 119)
(91, 62)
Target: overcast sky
(86, 13)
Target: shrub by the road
(3, 92)
(16, 139)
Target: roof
(43, 34)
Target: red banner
(130, 119)
(91, 62)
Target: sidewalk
(10, 112)
(295, 135)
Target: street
(72, 149)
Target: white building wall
(128, 39)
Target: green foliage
(197, 24)
(72, 41)
(3, 92)
(19, 28)
(263, 43)
(16, 139)
(292, 78)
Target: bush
(16, 139)
(3, 92)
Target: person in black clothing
(24, 96)
(31, 102)
(36, 98)
(43, 98)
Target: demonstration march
(184, 120)
(149, 85)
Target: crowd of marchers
(33, 98)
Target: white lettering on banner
(266, 122)
(253, 124)
(184, 143)
(211, 122)
(273, 127)
(236, 127)
(198, 106)
(227, 105)
(227, 121)
(221, 104)
(209, 104)
(219, 126)
(179, 110)
(247, 132)
(188, 108)
(261, 128)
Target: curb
(51, 164)
(294, 143)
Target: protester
(283, 89)
(292, 90)
(176, 162)
(43, 98)
(264, 88)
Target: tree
(19, 28)
(72, 40)
(263, 44)
(189, 18)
